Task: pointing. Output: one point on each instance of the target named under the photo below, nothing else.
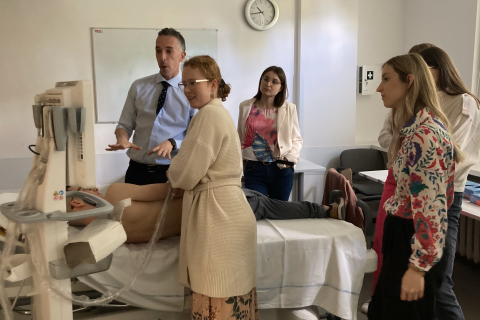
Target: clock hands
(261, 14)
(259, 11)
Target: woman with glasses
(270, 137)
(218, 244)
(462, 110)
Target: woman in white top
(270, 137)
(462, 110)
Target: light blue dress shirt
(150, 129)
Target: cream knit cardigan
(218, 246)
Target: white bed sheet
(156, 288)
(320, 262)
(300, 263)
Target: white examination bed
(299, 263)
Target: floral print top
(424, 172)
(260, 135)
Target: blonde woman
(385, 136)
(422, 155)
(384, 139)
(218, 244)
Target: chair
(363, 160)
(357, 211)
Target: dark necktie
(163, 95)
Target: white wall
(448, 24)
(390, 28)
(329, 31)
(380, 37)
(48, 41)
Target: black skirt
(386, 303)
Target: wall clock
(262, 14)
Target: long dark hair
(449, 80)
(420, 47)
(282, 94)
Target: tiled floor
(466, 275)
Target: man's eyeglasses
(190, 84)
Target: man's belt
(149, 167)
(267, 163)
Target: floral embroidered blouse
(424, 172)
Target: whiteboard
(121, 56)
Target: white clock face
(262, 12)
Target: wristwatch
(174, 143)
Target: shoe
(337, 204)
(337, 210)
(341, 209)
(365, 306)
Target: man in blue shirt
(159, 113)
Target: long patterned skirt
(234, 308)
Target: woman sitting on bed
(147, 201)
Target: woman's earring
(211, 95)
